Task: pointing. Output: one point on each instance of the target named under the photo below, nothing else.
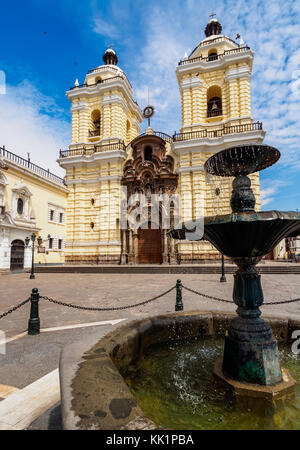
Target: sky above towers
(47, 45)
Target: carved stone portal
(149, 170)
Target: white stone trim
(79, 106)
(190, 169)
(215, 124)
(114, 99)
(92, 243)
(209, 66)
(101, 88)
(95, 157)
(219, 143)
(188, 83)
(94, 180)
(237, 72)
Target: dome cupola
(110, 57)
(213, 27)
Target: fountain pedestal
(250, 352)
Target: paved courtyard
(28, 358)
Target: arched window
(98, 80)
(214, 101)
(95, 123)
(20, 206)
(148, 153)
(212, 55)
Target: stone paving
(111, 290)
(31, 357)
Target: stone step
(188, 269)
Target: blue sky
(47, 45)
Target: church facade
(109, 164)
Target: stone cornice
(101, 88)
(213, 124)
(79, 106)
(188, 83)
(94, 180)
(91, 243)
(114, 99)
(219, 64)
(29, 173)
(218, 143)
(237, 72)
(190, 169)
(99, 157)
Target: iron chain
(230, 301)
(14, 308)
(207, 296)
(116, 308)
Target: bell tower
(214, 84)
(105, 118)
(103, 108)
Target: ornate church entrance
(17, 255)
(149, 246)
(148, 174)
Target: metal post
(32, 276)
(179, 304)
(34, 320)
(223, 278)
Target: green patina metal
(245, 236)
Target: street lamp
(40, 241)
(223, 278)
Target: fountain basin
(94, 392)
(245, 234)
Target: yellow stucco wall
(44, 193)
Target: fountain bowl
(243, 235)
(241, 160)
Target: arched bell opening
(214, 101)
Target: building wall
(43, 194)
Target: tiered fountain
(250, 361)
(167, 360)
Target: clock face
(148, 112)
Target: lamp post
(223, 278)
(40, 241)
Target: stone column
(136, 247)
(165, 247)
(130, 247)
(172, 251)
(124, 247)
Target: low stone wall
(94, 393)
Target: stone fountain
(250, 361)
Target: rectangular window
(50, 243)
(61, 217)
(60, 242)
(52, 214)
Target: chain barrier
(14, 308)
(116, 308)
(206, 296)
(179, 305)
(230, 301)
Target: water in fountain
(174, 385)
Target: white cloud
(31, 122)
(104, 28)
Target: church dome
(110, 57)
(213, 28)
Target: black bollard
(34, 320)
(179, 304)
